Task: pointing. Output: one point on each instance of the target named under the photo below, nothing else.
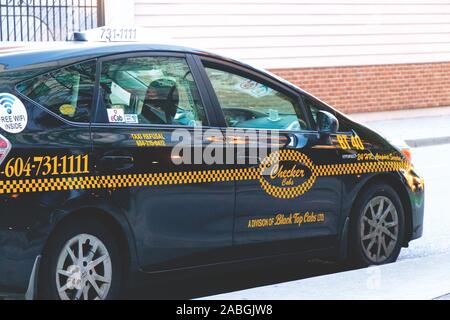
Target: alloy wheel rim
(379, 229)
(84, 269)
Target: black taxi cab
(122, 160)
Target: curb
(446, 297)
(427, 142)
(400, 114)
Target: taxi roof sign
(109, 34)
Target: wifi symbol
(7, 101)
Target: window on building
(151, 90)
(67, 92)
(250, 104)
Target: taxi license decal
(352, 142)
(290, 189)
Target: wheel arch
(113, 222)
(396, 183)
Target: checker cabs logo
(287, 174)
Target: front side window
(250, 104)
(151, 90)
(67, 92)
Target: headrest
(163, 94)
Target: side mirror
(327, 123)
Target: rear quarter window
(67, 92)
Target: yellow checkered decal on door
(291, 191)
(125, 181)
(316, 171)
(359, 168)
(176, 178)
(51, 184)
(205, 176)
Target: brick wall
(376, 88)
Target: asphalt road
(431, 162)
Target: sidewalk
(418, 127)
(416, 279)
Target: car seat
(161, 102)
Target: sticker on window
(13, 115)
(119, 95)
(67, 110)
(253, 88)
(131, 118)
(116, 116)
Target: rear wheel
(81, 263)
(377, 227)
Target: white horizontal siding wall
(305, 33)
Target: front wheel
(377, 227)
(81, 263)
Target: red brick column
(377, 87)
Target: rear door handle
(116, 163)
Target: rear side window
(151, 90)
(67, 92)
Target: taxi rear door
(179, 213)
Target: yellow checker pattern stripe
(125, 181)
(359, 168)
(205, 176)
(320, 171)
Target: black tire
(47, 288)
(357, 254)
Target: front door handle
(116, 163)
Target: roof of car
(23, 56)
(48, 55)
(19, 55)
